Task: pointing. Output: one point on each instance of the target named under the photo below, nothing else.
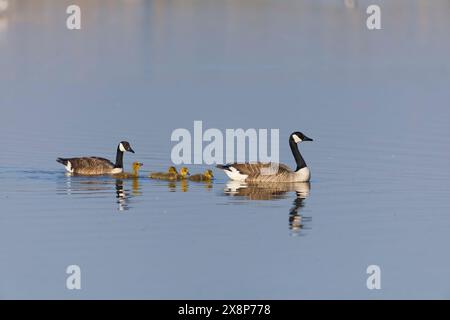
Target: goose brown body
(89, 165)
(265, 172)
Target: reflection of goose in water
(273, 191)
(122, 196)
(101, 188)
(296, 220)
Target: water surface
(375, 102)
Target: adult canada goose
(127, 175)
(206, 176)
(97, 165)
(171, 174)
(272, 172)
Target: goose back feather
(264, 172)
(87, 165)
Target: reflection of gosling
(170, 175)
(184, 185)
(206, 176)
(128, 175)
(184, 173)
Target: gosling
(171, 174)
(206, 176)
(184, 173)
(128, 175)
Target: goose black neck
(297, 156)
(119, 159)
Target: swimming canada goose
(274, 191)
(171, 174)
(206, 176)
(127, 175)
(272, 172)
(96, 165)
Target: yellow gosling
(184, 173)
(127, 175)
(206, 176)
(170, 175)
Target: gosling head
(125, 146)
(172, 170)
(209, 174)
(184, 172)
(137, 166)
(298, 137)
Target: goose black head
(298, 137)
(125, 146)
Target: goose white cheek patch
(296, 138)
(121, 147)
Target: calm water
(375, 102)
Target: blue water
(375, 103)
